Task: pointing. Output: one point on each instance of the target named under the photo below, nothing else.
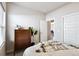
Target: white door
(43, 31)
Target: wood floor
(18, 53)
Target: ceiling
(44, 7)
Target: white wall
(17, 15)
(58, 17)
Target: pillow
(58, 46)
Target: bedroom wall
(17, 15)
(58, 15)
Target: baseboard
(9, 51)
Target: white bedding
(31, 51)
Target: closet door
(58, 29)
(71, 29)
(43, 30)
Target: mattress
(70, 51)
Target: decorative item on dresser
(33, 33)
(22, 39)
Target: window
(71, 28)
(2, 24)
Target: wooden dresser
(22, 39)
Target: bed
(52, 48)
